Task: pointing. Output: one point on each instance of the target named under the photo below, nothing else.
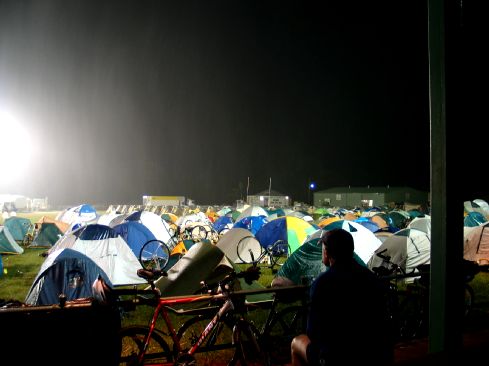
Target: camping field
(20, 270)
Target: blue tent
(135, 234)
(251, 223)
(474, 218)
(372, 226)
(291, 230)
(87, 209)
(134, 216)
(222, 223)
(68, 272)
(95, 232)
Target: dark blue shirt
(348, 317)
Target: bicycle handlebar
(150, 274)
(384, 257)
(250, 274)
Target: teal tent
(7, 242)
(47, 236)
(18, 227)
(306, 263)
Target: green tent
(47, 235)
(18, 227)
(306, 262)
(7, 242)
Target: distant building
(164, 200)
(369, 196)
(39, 204)
(13, 202)
(268, 199)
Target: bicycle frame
(224, 309)
(162, 309)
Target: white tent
(364, 240)
(421, 223)
(113, 255)
(476, 244)
(82, 214)
(229, 244)
(111, 219)
(159, 227)
(252, 211)
(408, 248)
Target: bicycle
(409, 306)
(273, 338)
(282, 325)
(146, 345)
(250, 251)
(194, 232)
(391, 272)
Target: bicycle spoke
(249, 351)
(132, 342)
(287, 324)
(216, 348)
(249, 250)
(154, 254)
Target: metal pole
(247, 189)
(269, 190)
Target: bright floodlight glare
(15, 150)
(312, 185)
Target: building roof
(272, 193)
(368, 189)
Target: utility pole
(269, 191)
(311, 186)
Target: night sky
(190, 98)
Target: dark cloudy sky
(190, 98)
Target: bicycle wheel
(413, 322)
(248, 348)
(249, 250)
(154, 255)
(132, 340)
(217, 347)
(278, 252)
(286, 324)
(198, 233)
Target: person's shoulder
(322, 278)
